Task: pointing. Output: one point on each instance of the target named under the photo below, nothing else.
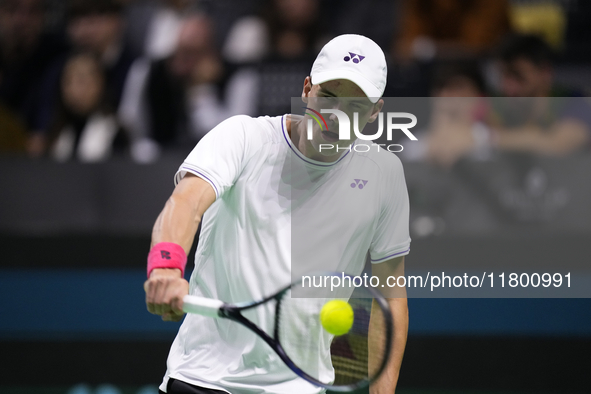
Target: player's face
(342, 95)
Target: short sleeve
(220, 155)
(392, 238)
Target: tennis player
(253, 183)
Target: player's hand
(165, 290)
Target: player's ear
(377, 107)
(306, 90)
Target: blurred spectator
(177, 100)
(152, 26)
(97, 26)
(286, 29)
(26, 50)
(450, 28)
(458, 79)
(457, 122)
(526, 68)
(94, 26)
(84, 126)
(283, 40)
(541, 117)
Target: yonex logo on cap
(368, 71)
(359, 183)
(356, 58)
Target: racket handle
(202, 306)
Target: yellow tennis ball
(336, 317)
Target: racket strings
(302, 337)
(342, 360)
(358, 355)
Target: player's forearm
(178, 223)
(399, 308)
(389, 379)
(179, 220)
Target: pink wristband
(167, 255)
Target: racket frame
(234, 312)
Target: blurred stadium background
(101, 100)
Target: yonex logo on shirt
(356, 58)
(359, 183)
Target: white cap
(355, 58)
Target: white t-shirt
(277, 215)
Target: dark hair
(528, 46)
(80, 8)
(62, 114)
(445, 73)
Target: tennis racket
(340, 363)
